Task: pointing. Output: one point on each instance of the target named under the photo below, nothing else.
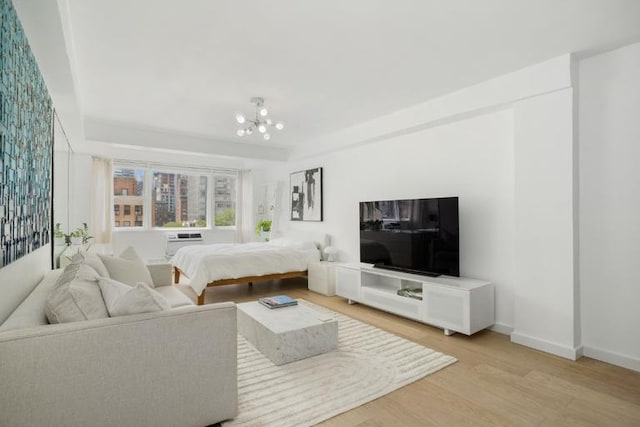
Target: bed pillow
(293, 243)
(121, 299)
(78, 298)
(128, 268)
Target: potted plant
(60, 239)
(263, 228)
(76, 237)
(85, 234)
(80, 235)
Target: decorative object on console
(26, 144)
(331, 253)
(306, 195)
(261, 122)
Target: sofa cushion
(128, 268)
(174, 297)
(78, 299)
(92, 260)
(122, 299)
(30, 312)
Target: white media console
(452, 303)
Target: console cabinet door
(446, 307)
(348, 283)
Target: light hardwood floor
(494, 382)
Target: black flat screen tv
(415, 235)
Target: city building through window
(128, 190)
(174, 199)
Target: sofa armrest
(176, 367)
(162, 274)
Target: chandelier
(261, 123)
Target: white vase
(59, 241)
(76, 240)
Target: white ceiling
(186, 67)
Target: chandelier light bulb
(259, 123)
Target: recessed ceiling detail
(323, 67)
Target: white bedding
(203, 264)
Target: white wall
(506, 147)
(610, 205)
(545, 303)
(471, 159)
(18, 279)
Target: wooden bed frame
(240, 280)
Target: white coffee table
(287, 334)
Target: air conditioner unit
(175, 241)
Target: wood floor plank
(494, 383)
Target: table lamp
(331, 253)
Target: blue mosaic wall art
(26, 144)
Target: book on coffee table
(278, 301)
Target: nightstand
(322, 278)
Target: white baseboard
(572, 353)
(501, 328)
(613, 358)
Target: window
(128, 187)
(148, 196)
(224, 200)
(178, 200)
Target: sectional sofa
(174, 367)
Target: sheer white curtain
(102, 201)
(244, 207)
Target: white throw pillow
(92, 260)
(77, 299)
(122, 299)
(128, 268)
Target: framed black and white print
(306, 195)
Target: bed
(236, 263)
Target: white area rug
(368, 363)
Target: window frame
(213, 201)
(147, 193)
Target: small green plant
(84, 233)
(80, 232)
(263, 225)
(57, 231)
